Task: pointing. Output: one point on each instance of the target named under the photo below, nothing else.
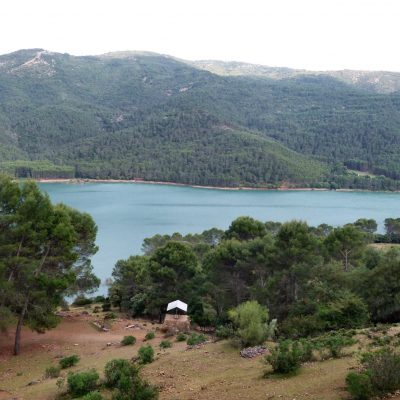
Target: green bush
(136, 389)
(334, 343)
(52, 372)
(81, 383)
(380, 375)
(99, 299)
(124, 376)
(384, 369)
(250, 320)
(285, 358)
(106, 307)
(69, 361)
(150, 336)
(196, 338)
(306, 347)
(146, 354)
(165, 344)
(359, 386)
(93, 396)
(181, 337)
(225, 332)
(347, 311)
(301, 326)
(116, 369)
(81, 301)
(128, 340)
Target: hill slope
(144, 115)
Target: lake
(127, 213)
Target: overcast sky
(311, 34)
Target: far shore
(230, 188)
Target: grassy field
(213, 371)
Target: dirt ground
(74, 335)
(213, 371)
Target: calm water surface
(127, 213)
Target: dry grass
(214, 371)
(384, 246)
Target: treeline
(36, 170)
(311, 279)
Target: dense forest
(142, 115)
(311, 279)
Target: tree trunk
(19, 328)
(21, 318)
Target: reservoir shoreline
(228, 188)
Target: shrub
(384, 369)
(146, 354)
(52, 372)
(203, 314)
(301, 326)
(225, 332)
(359, 386)
(93, 396)
(380, 375)
(128, 340)
(116, 369)
(125, 377)
(106, 307)
(196, 338)
(180, 337)
(165, 344)
(285, 358)
(136, 389)
(110, 315)
(250, 320)
(348, 311)
(306, 347)
(144, 391)
(99, 299)
(150, 336)
(334, 343)
(81, 301)
(81, 383)
(69, 361)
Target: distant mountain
(144, 115)
(374, 81)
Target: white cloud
(312, 34)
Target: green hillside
(143, 115)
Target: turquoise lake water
(126, 213)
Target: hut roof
(177, 304)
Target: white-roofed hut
(176, 318)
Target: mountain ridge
(381, 81)
(141, 114)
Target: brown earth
(212, 371)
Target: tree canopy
(45, 252)
(310, 279)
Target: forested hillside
(142, 115)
